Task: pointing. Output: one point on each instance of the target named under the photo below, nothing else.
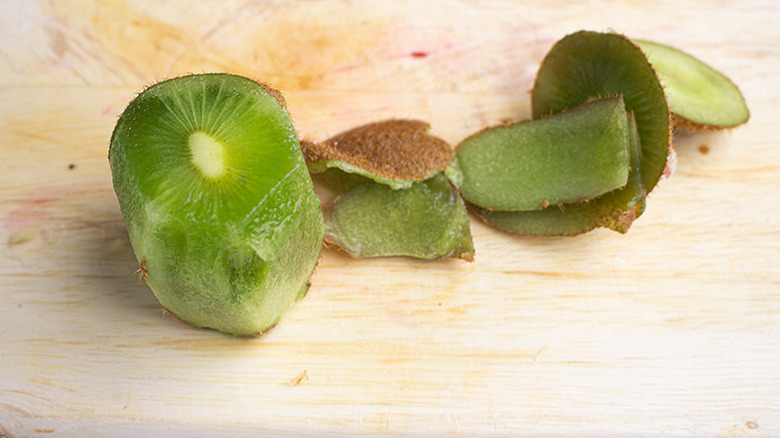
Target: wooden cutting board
(671, 329)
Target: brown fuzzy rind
(395, 149)
(680, 123)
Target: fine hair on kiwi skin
(219, 205)
(615, 210)
(585, 65)
(396, 152)
(579, 68)
(579, 153)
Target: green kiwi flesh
(615, 210)
(393, 152)
(427, 221)
(703, 97)
(217, 199)
(574, 155)
(589, 65)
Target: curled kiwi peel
(580, 69)
(574, 155)
(590, 65)
(394, 152)
(427, 220)
(615, 210)
(403, 211)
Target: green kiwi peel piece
(427, 220)
(217, 199)
(574, 155)
(589, 65)
(397, 153)
(615, 210)
(699, 96)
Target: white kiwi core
(208, 155)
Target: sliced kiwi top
(590, 65)
(392, 152)
(218, 202)
(698, 94)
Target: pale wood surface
(672, 329)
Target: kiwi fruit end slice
(394, 152)
(217, 199)
(427, 221)
(576, 154)
(615, 210)
(590, 65)
(699, 96)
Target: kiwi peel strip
(427, 221)
(581, 68)
(589, 65)
(401, 212)
(575, 155)
(394, 152)
(615, 210)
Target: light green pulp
(578, 154)
(695, 90)
(227, 237)
(427, 221)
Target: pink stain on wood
(30, 213)
(400, 319)
(108, 110)
(347, 68)
(21, 218)
(419, 54)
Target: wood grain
(672, 329)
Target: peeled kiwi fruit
(218, 202)
(699, 96)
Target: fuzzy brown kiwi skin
(397, 149)
(681, 124)
(276, 94)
